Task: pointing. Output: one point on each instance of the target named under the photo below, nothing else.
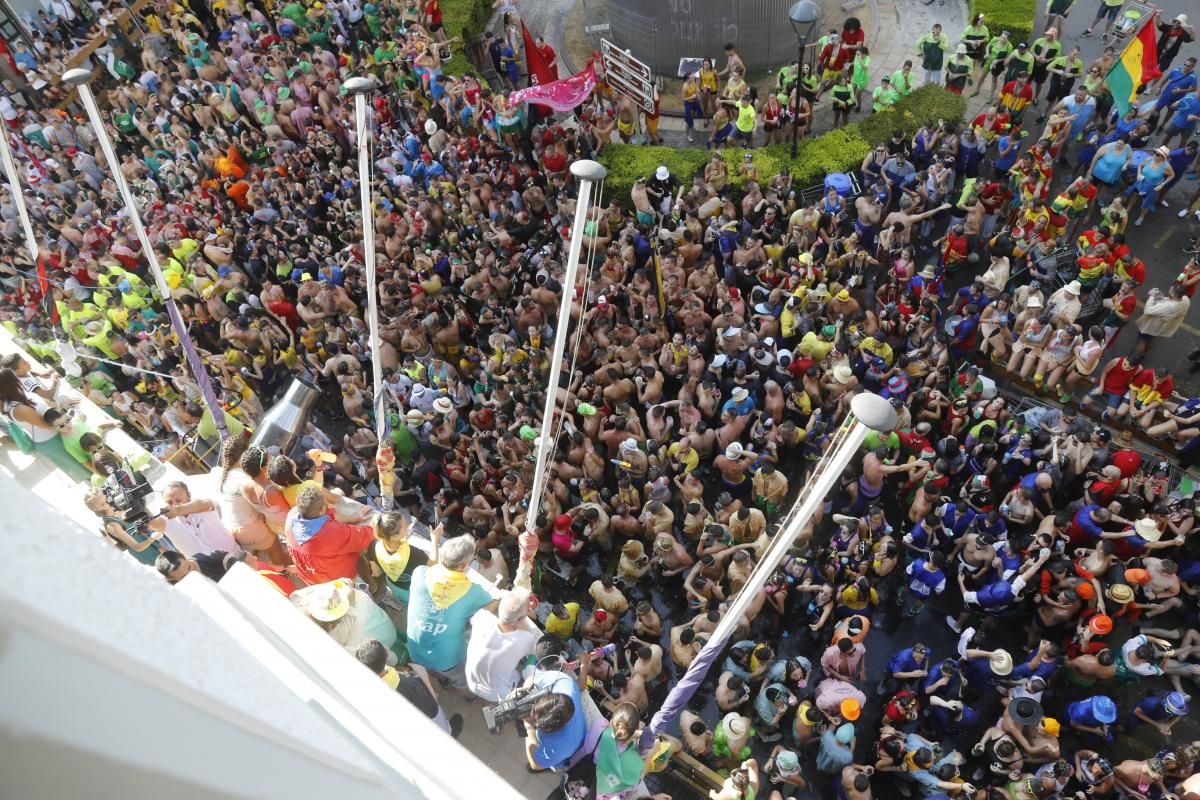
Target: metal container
(283, 424)
(661, 32)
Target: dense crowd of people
(1019, 567)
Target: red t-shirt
(1119, 377)
(849, 39)
(433, 10)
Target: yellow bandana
(447, 586)
(392, 564)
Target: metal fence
(661, 32)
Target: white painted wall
(118, 685)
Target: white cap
(662, 173)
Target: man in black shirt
(414, 688)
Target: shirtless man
(600, 628)
(685, 645)
(647, 623)
(631, 689)
(733, 464)
(648, 660)
(670, 556)
(856, 781)
(906, 219)
(732, 692)
(697, 738)
(870, 483)
(1088, 669)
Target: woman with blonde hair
(619, 766)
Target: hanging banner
(562, 96)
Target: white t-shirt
(493, 657)
(200, 533)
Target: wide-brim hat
(735, 724)
(329, 603)
(842, 373)
(1025, 711)
(1001, 662)
(1147, 529)
(443, 405)
(1119, 593)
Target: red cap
(562, 522)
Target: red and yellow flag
(1137, 66)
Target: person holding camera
(556, 725)
(145, 542)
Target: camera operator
(556, 725)
(145, 540)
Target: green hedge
(466, 19)
(1014, 16)
(841, 150)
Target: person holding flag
(1135, 67)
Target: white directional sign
(627, 75)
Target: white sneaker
(953, 623)
(1198, 213)
(1182, 214)
(1164, 204)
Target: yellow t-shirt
(564, 628)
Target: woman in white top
(241, 501)
(24, 410)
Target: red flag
(562, 95)
(535, 63)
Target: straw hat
(1074, 287)
(1001, 661)
(1119, 593)
(735, 724)
(329, 602)
(1147, 529)
(842, 373)
(443, 405)
(740, 394)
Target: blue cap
(1104, 709)
(125, 286)
(224, 272)
(1177, 703)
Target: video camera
(126, 490)
(518, 705)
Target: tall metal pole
(589, 173)
(79, 78)
(385, 460)
(18, 195)
(796, 93)
(868, 412)
(360, 88)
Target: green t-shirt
(208, 426)
(71, 439)
(932, 51)
(862, 72)
(874, 441)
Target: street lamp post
(804, 15)
(79, 78)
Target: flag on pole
(562, 95)
(1137, 66)
(535, 63)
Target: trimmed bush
(1014, 16)
(841, 150)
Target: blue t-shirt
(1155, 708)
(1081, 713)
(1188, 106)
(1083, 518)
(437, 637)
(904, 661)
(1177, 86)
(555, 749)
(923, 582)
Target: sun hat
(740, 394)
(1073, 287)
(415, 415)
(734, 451)
(1137, 577)
(1025, 711)
(1101, 624)
(843, 296)
(1147, 529)
(850, 709)
(1176, 703)
(443, 405)
(329, 603)
(430, 127)
(662, 173)
(842, 373)
(1104, 709)
(719, 361)
(1033, 302)
(1119, 593)
(731, 331)
(1001, 662)
(829, 330)
(735, 724)
(787, 762)
(629, 445)
(928, 271)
